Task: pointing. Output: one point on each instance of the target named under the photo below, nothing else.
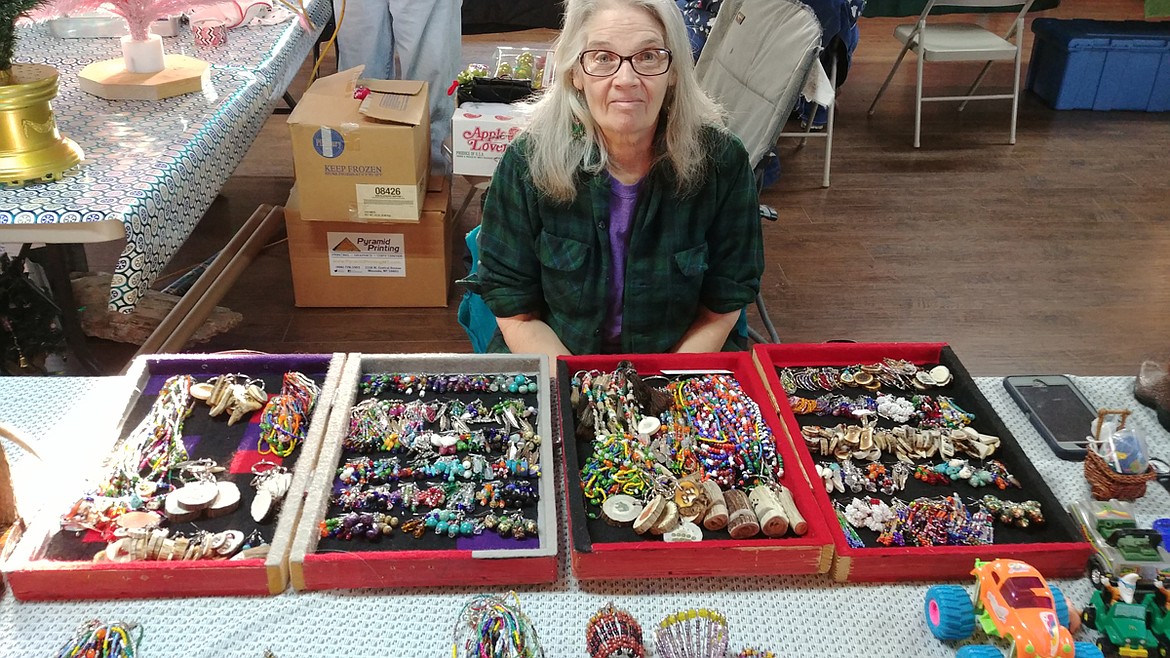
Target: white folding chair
(960, 42)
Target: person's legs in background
(364, 37)
(428, 35)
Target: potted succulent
(31, 148)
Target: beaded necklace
(156, 444)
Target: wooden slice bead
(685, 532)
(741, 520)
(771, 515)
(196, 495)
(649, 515)
(226, 501)
(131, 520)
(795, 520)
(716, 518)
(235, 539)
(262, 506)
(621, 509)
(668, 520)
(176, 512)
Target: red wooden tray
(482, 562)
(654, 558)
(1065, 556)
(33, 577)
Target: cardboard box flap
(407, 87)
(404, 103)
(341, 83)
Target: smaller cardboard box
(480, 133)
(361, 160)
(345, 264)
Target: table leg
(59, 260)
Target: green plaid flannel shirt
(538, 256)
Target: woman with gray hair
(625, 218)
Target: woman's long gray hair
(555, 154)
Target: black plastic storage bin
(1082, 64)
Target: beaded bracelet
(613, 632)
(493, 626)
(93, 639)
(284, 421)
(692, 633)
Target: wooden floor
(1052, 255)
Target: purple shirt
(623, 199)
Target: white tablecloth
(793, 616)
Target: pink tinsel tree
(139, 14)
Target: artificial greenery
(10, 11)
(29, 325)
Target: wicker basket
(1106, 483)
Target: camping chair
(755, 62)
(960, 42)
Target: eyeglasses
(604, 63)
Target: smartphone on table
(1058, 410)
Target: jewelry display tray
(1057, 550)
(602, 552)
(34, 577)
(474, 560)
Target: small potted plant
(31, 148)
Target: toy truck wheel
(979, 651)
(1060, 604)
(1089, 617)
(1097, 572)
(1086, 650)
(1105, 646)
(949, 612)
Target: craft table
(152, 168)
(792, 616)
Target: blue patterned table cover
(156, 166)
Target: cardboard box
(399, 560)
(347, 264)
(599, 551)
(480, 133)
(1056, 547)
(363, 160)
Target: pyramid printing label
(366, 254)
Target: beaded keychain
(93, 639)
(408, 383)
(285, 419)
(491, 627)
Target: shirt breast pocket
(562, 271)
(686, 282)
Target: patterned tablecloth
(792, 616)
(156, 166)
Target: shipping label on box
(366, 254)
(481, 132)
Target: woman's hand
(708, 332)
(528, 334)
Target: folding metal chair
(960, 42)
